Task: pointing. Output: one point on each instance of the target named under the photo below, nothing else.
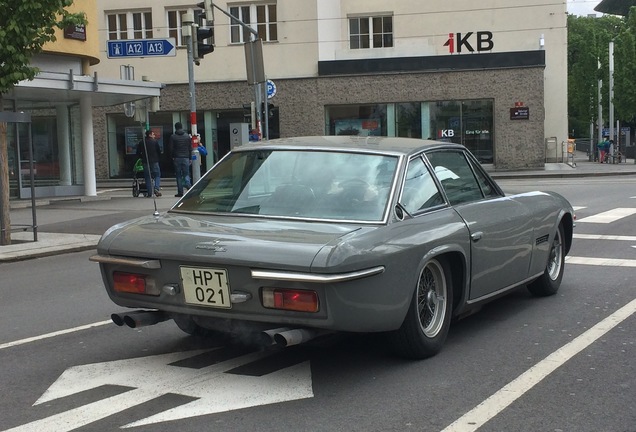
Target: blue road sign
(141, 48)
(271, 89)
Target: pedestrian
(149, 152)
(181, 147)
(602, 146)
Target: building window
(371, 32)
(361, 120)
(260, 17)
(175, 23)
(468, 122)
(129, 25)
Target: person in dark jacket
(181, 146)
(149, 152)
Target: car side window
(455, 175)
(486, 185)
(420, 191)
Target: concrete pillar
(88, 146)
(63, 144)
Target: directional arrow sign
(141, 48)
(216, 387)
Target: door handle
(476, 236)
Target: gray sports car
(303, 236)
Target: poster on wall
(134, 134)
(358, 127)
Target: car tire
(549, 282)
(427, 321)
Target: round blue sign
(271, 89)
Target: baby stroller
(139, 182)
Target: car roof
(387, 145)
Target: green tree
(625, 70)
(25, 26)
(588, 62)
(582, 73)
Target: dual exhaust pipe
(139, 318)
(283, 336)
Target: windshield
(292, 183)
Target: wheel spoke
(431, 298)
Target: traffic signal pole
(187, 29)
(261, 118)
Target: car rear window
(301, 184)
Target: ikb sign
(141, 48)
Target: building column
(88, 145)
(63, 144)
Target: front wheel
(549, 282)
(427, 321)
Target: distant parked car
(301, 236)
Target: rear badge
(212, 245)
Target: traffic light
(270, 110)
(204, 34)
(208, 12)
(201, 47)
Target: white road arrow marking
(154, 377)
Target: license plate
(205, 286)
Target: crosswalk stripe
(604, 237)
(609, 216)
(606, 262)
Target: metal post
(188, 28)
(265, 112)
(590, 157)
(611, 92)
(600, 111)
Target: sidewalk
(79, 221)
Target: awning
(49, 89)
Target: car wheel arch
(457, 260)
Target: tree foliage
(25, 26)
(588, 62)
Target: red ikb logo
(458, 42)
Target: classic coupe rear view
(299, 237)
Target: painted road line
(482, 413)
(53, 334)
(607, 262)
(604, 237)
(608, 216)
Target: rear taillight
(129, 283)
(290, 299)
